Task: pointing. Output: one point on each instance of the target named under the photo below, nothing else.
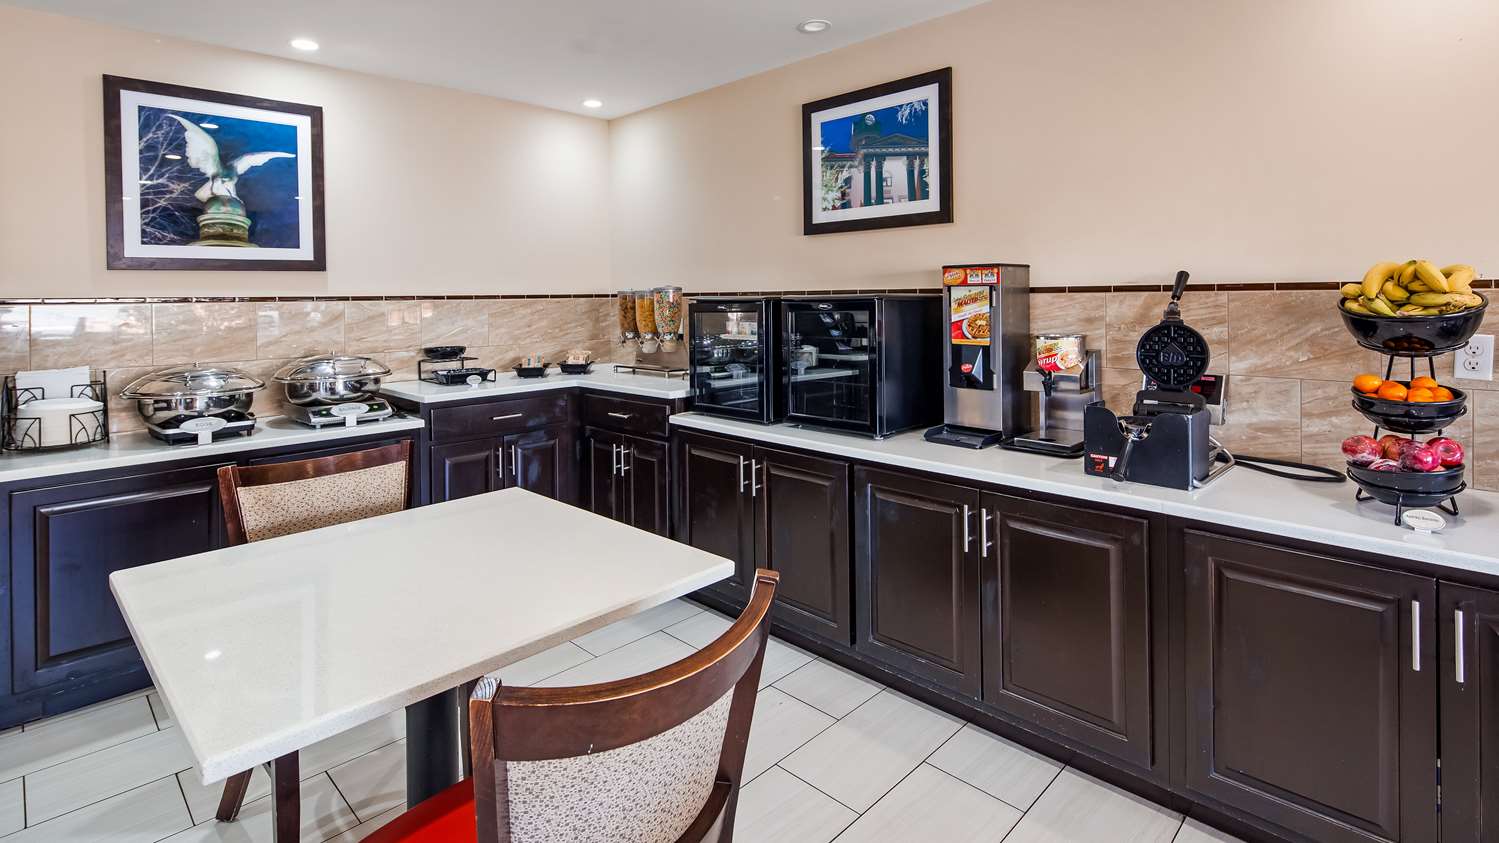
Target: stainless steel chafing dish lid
(329, 367)
(193, 381)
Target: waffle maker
(1164, 441)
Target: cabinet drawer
(643, 418)
(498, 417)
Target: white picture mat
(932, 203)
(130, 178)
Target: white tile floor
(832, 756)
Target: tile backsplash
(1289, 359)
(129, 339)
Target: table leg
(286, 799)
(234, 797)
(434, 745)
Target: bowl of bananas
(1413, 309)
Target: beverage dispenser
(986, 345)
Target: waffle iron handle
(1173, 310)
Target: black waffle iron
(1164, 441)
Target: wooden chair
(266, 501)
(655, 758)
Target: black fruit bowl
(444, 352)
(531, 371)
(1414, 336)
(1411, 416)
(575, 368)
(1413, 486)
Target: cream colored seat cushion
(647, 792)
(280, 509)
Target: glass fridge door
(831, 355)
(728, 359)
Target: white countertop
(1325, 513)
(603, 377)
(139, 448)
(268, 647)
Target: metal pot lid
(330, 367)
(192, 381)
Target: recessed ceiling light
(209, 125)
(306, 45)
(813, 26)
(593, 103)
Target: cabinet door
(65, 542)
(715, 510)
(542, 461)
(1067, 629)
(1311, 690)
(916, 574)
(645, 480)
(801, 510)
(1469, 673)
(601, 472)
(465, 468)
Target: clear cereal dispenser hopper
(625, 302)
(668, 306)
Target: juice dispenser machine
(987, 350)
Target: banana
(1352, 291)
(1415, 286)
(1407, 274)
(1353, 306)
(1376, 276)
(1394, 292)
(1378, 305)
(1464, 300)
(1433, 278)
(1461, 280)
(1458, 267)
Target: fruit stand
(1416, 312)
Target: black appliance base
(964, 437)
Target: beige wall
(428, 190)
(1104, 143)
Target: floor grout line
(111, 796)
(857, 813)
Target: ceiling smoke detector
(813, 26)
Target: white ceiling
(631, 54)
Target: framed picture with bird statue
(198, 179)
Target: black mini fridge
(735, 364)
(869, 365)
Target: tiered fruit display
(1412, 288)
(1399, 453)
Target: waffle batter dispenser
(1164, 441)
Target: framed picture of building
(880, 157)
(198, 179)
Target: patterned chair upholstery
(280, 509)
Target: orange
(1392, 391)
(1443, 393)
(1424, 381)
(1367, 383)
(1421, 394)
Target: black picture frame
(943, 213)
(114, 208)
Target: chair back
(655, 758)
(265, 501)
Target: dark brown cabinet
(916, 577)
(627, 478)
(65, 542)
(714, 509)
(1310, 689)
(541, 461)
(1469, 691)
(1067, 622)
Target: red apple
(1384, 465)
(1393, 446)
(1421, 458)
(1449, 451)
(1361, 450)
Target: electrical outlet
(1475, 362)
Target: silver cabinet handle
(754, 486)
(622, 415)
(624, 464)
(741, 475)
(506, 417)
(514, 460)
(984, 543)
(1416, 636)
(967, 539)
(614, 457)
(1460, 658)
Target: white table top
(268, 647)
(1325, 513)
(603, 377)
